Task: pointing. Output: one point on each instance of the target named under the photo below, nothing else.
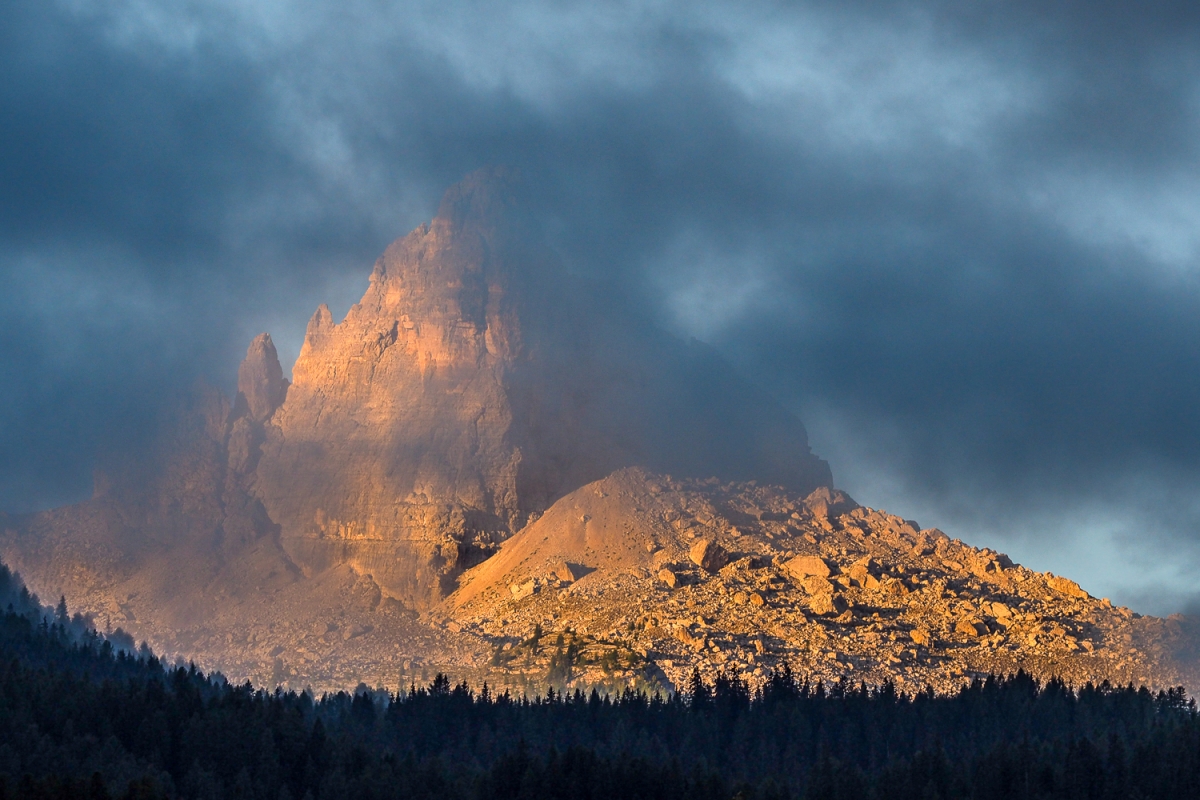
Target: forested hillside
(82, 718)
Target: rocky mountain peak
(473, 385)
(441, 294)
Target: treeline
(82, 718)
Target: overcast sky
(962, 240)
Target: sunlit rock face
(473, 385)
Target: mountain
(494, 468)
(473, 385)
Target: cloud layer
(960, 239)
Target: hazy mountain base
(604, 590)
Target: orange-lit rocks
(891, 604)
(803, 567)
(708, 555)
(1068, 587)
(485, 467)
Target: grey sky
(960, 239)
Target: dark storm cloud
(960, 238)
(123, 174)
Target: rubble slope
(745, 578)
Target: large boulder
(827, 604)
(1066, 586)
(802, 567)
(826, 503)
(863, 570)
(708, 555)
(815, 584)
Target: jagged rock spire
(260, 378)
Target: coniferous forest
(83, 717)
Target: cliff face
(473, 385)
(393, 452)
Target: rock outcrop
(260, 379)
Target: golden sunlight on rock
(484, 470)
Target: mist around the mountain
(16, 599)
(960, 242)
